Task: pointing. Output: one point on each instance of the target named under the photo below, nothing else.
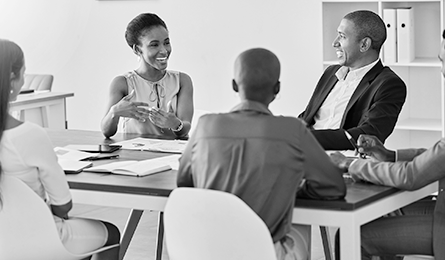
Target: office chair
(205, 224)
(38, 82)
(28, 230)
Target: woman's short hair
(136, 28)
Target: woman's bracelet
(179, 128)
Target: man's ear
(234, 86)
(276, 88)
(365, 44)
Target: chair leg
(130, 228)
(160, 236)
(326, 242)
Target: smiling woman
(150, 99)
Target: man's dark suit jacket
(373, 108)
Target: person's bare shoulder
(185, 81)
(119, 85)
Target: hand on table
(341, 161)
(374, 148)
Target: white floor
(142, 246)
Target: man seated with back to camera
(359, 94)
(261, 158)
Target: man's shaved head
(257, 73)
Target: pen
(354, 144)
(95, 158)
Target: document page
(154, 145)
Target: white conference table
(363, 202)
(47, 109)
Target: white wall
(81, 42)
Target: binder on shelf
(390, 45)
(405, 34)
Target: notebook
(134, 168)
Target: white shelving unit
(422, 120)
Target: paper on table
(172, 160)
(70, 160)
(154, 145)
(133, 168)
(347, 153)
(71, 154)
(70, 166)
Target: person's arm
(185, 104)
(37, 151)
(120, 105)
(424, 169)
(374, 148)
(183, 117)
(62, 210)
(378, 119)
(323, 180)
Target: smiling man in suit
(420, 228)
(359, 94)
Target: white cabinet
(422, 120)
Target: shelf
(383, 1)
(419, 124)
(418, 62)
(411, 1)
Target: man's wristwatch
(181, 125)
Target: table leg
(160, 236)
(45, 116)
(129, 229)
(326, 242)
(350, 242)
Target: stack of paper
(154, 145)
(70, 160)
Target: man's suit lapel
(364, 84)
(322, 95)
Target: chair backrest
(27, 227)
(38, 82)
(207, 224)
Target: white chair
(207, 224)
(38, 82)
(27, 227)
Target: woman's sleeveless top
(159, 94)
